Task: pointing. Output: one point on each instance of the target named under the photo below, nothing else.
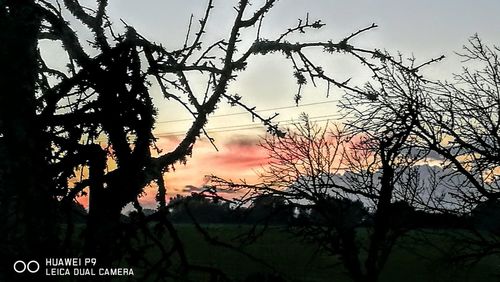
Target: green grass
(299, 261)
(281, 252)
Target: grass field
(298, 261)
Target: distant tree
(200, 209)
(462, 120)
(330, 175)
(461, 124)
(397, 121)
(457, 122)
(486, 216)
(269, 209)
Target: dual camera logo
(32, 266)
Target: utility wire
(244, 126)
(249, 126)
(246, 112)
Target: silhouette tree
(457, 122)
(52, 120)
(331, 174)
(371, 161)
(27, 204)
(201, 208)
(460, 122)
(398, 120)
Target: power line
(249, 126)
(263, 110)
(245, 126)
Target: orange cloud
(238, 158)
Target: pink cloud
(237, 156)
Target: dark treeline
(275, 210)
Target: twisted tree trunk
(28, 229)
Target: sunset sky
(424, 28)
